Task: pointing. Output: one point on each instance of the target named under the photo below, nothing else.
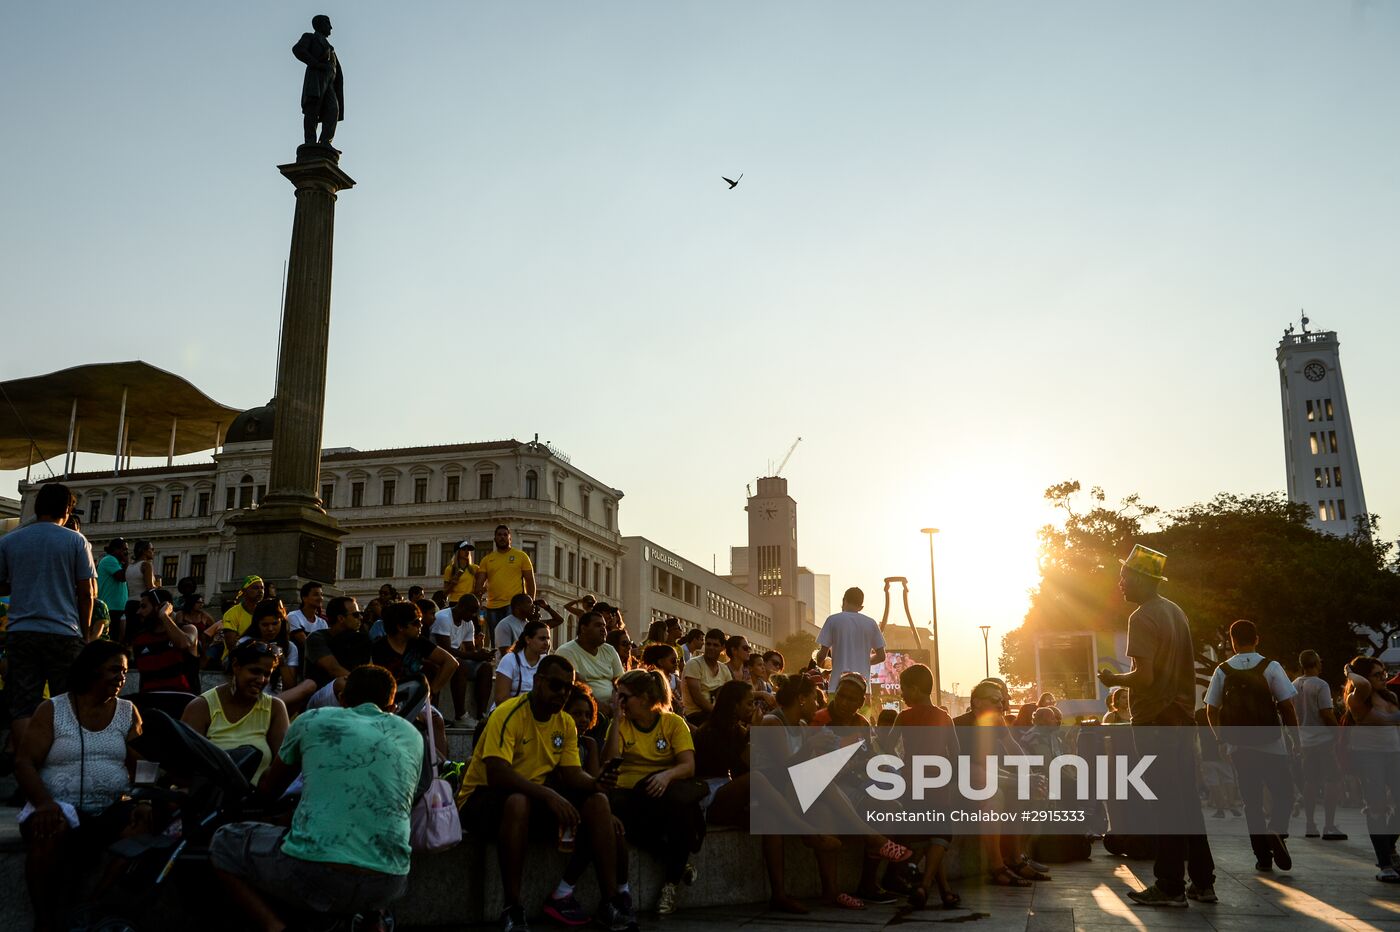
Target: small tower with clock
(1318, 443)
(772, 552)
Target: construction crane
(779, 470)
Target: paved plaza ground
(1332, 886)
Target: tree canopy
(1236, 556)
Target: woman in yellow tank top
(239, 713)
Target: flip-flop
(846, 901)
(950, 900)
(892, 852)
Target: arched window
(532, 484)
(245, 492)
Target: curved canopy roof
(37, 411)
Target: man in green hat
(1163, 685)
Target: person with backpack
(1249, 696)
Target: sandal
(892, 852)
(950, 899)
(846, 901)
(1028, 872)
(1004, 877)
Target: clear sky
(979, 248)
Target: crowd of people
(602, 744)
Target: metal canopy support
(29, 464)
(72, 426)
(170, 457)
(121, 434)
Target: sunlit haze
(978, 248)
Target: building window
(176, 500)
(95, 509)
(486, 485)
(262, 494)
(420, 490)
(245, 492)
(558, 562)
(597, 577)
(388, 487)
(1322, 511)
(121, 510)
(384, 561)
(418, 559)
(1317, 476)
(148, 508)
(454, 488)
(1328, 403)
(447, 553)
(583, 505)
(559, 493)
(198, 564)
(531, 550)
(1312, 415)
(583, 571)
(607, 581)
(608, 515)
(357, 494)
(1332, 440)
(1337, 476)
(770, 571)
(1341, 510)
(169, 569)
(1312, 440)
(201, 505)
(229, 503)
(327, 494)
(532, 484)
(354, 562)
(571, 567)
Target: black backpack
(1248, 702)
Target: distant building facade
(767, 566)
(657, 584)
(1318, 442)
(404, 510)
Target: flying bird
(734, 182)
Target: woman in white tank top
(141, 572)
(72, 768)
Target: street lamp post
(986, 657)
(933, 593)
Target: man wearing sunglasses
(334, 652)
(525, 782)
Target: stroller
(202, 787)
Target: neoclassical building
(404, 509)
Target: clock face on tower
(1315, 371)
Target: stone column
(306, 326)
(289, 538)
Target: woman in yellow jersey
(656, 797)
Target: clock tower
(772, 553)
(1319, 447)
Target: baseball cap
(466, 545)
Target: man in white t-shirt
(852, 640)
(1251, 708)
(1317, 723)
(307, 620)
(454, 630)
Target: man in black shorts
(525, 782)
